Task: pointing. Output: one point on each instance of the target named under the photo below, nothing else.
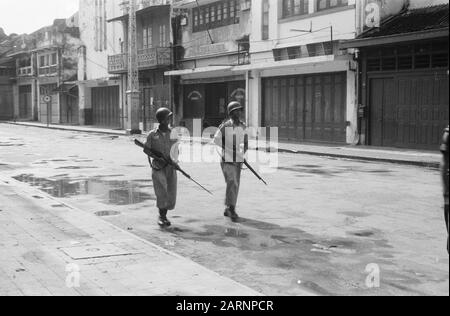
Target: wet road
(318, 225)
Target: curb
(423, 164)
(69, 129)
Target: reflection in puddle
(110, 192)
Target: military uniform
(164, 175)
(231, 136)
(445, 174)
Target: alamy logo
(74, 276)
(373, 277)
(373, 15)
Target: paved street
(313, 230)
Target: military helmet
(233, 106)
(162, 114)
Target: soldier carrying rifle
(233, 141)
(162, 149)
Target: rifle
(155, 154)
(249, 167)
(253, 171)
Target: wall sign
(195, 96)
(375, 11)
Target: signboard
(375, 11)
(195, 96)
(47, 99)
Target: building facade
(7, 74)
(212, 40)
(154, 44)
(100, 99)
(404, 76)
(280, 58)
(302, 82)
(45, 86)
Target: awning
(139, 12)
(287, 63)
(409, 26)
(201, 70)
(66, 88)
(393, 39)
(189, 4)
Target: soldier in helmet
(445, 174)
(233, 141)
(164, 175)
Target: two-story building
(404, 73)
(212, 39)
(100, 101)
(46, 74)
(300, 81)
(279, 58)
(7, 73)
(154, 45)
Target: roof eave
(397, 38)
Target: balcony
(48, 70)
(25, 71)
(148, 58)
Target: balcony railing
(48, 70)
(25, 71)
(147, 58)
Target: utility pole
(133, 72)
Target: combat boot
(231, 213)
(163, 221)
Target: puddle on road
(10, 145)
(76, 168)
(112, 192)
(320, 172)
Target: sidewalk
(427, 159)
(46, 246)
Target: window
(147, 35)
(217, 14)
(265, 20)
(202, 19)
(295, 7)
(207, 16)
(196, 16)
(232, 9)
(329, 4)
(48, 63)
(420, 56)
(213, 14)
(162, 36)
(54, 60)
(226, 7)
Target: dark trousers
(446, 222)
